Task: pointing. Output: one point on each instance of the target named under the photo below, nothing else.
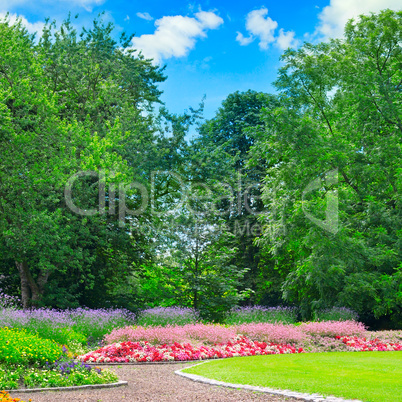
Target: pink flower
(141, 352)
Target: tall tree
(223, 148)
(335, 194)
(70, 104)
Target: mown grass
(367, 376)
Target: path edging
(298, 395)
(149, 363)
(72, 388)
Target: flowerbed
(190, 333)
(64, 326)
(57, 374)
(21, 347)
(208, 341)
(5, 397)
(67, 374)
(364, 345)
(277, 333)
(30, 361)
(333, 328)
(126, 352)
(210, 333)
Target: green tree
(71, 104)
(198, 261)
(336, 139)
(223, 152)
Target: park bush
(65, 326)
(256, 314)
(20, 347)
(163, 316)
(334, 328)
(336, 314)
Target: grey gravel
(156, 383)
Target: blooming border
(72, 388)
(132, 352)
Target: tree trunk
(31, 291)
(38, 288)
(25, 289)
(195, 301)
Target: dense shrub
(163, 316)
(65, 374)
(336, 314)
(22, 347)
(256, 314)
(334, 328)
(266, 332)
(64, 326)
(215, 333)
(206, 333)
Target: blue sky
(210, 48)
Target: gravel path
(156, 383)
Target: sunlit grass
(367, 376)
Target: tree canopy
(291, 199)
(338, 126)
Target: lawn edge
(150, 363)
(293, 394)
(72, 388)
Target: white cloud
(145, 16)
(208, 19)
(31, 27)
(286, 39)
(262, 27)
(334, 17)
(243, 40)
(127, 18)
(259, 25)
(176, 35)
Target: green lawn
(368, 376)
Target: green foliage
(65, 336)
(70, 102)
(164, 316)
(203, 273)
(9, 379)
(21, 347)
(34, 378)
(336, 314)
(256, 314)
(334, 146)
(221, 156)
(293, 198)
(60, 374)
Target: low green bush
(336, 314)
(21, 347)
(261, 314)
(164, 316)
(67, 374)
(58, 374)
(29, 360)
(9, 378)
(64, 326)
